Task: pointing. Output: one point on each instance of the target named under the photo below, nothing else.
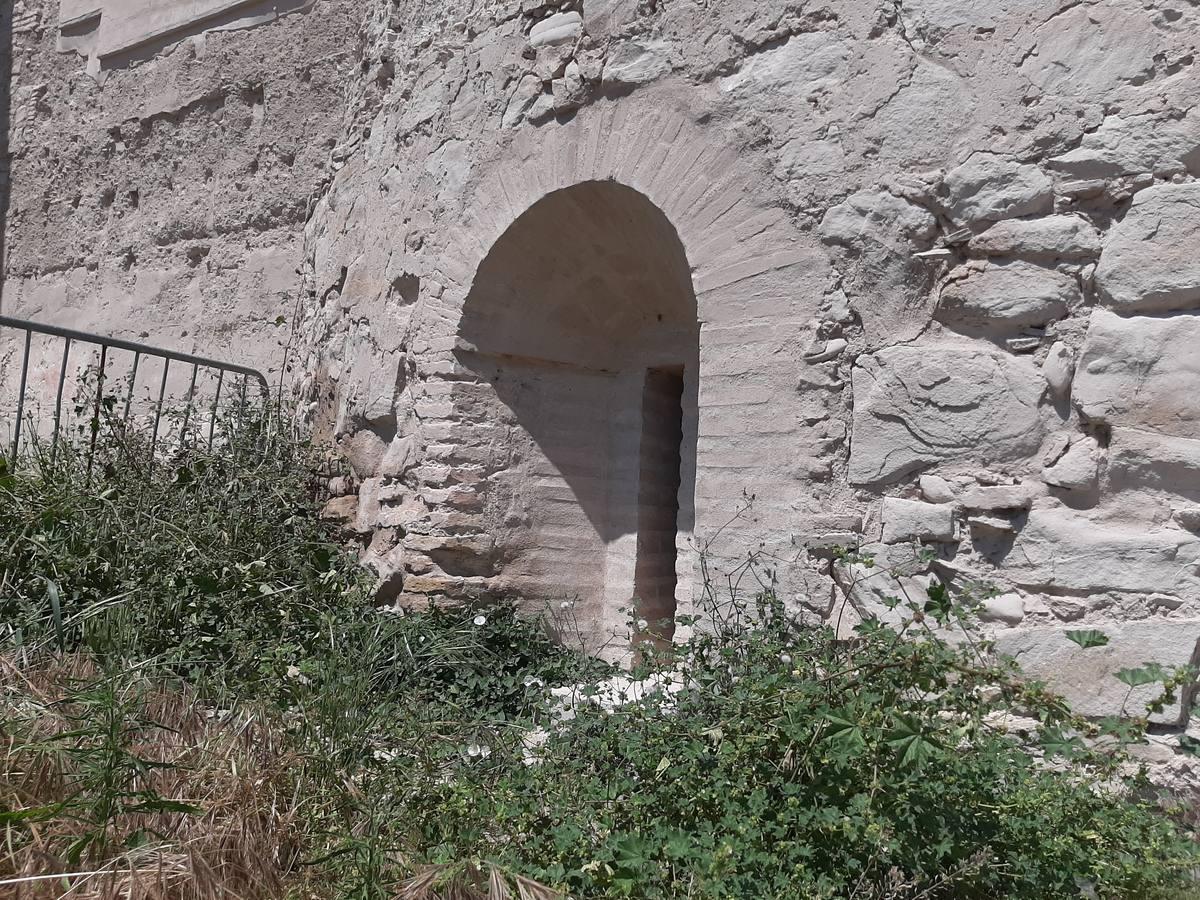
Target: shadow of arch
(581, 328)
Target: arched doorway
(581, 329)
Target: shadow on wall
(581, 325)
(6, 68)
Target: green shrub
(791, 764)
(212, 561)
(797, 765)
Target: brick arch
(754, 275)
(731, 233)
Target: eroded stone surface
(919, 405)
(989, 188)
(1059, 549)
(911, 520)
(1149, 263)
(1044, 239)
(1142, 372)
(1003, 297)
(1086, 677)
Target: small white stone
(936, 489)
(1006, 608)
(1079, 467)
(559, 28)
(831, 350)
(1059, 369)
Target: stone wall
(924, 272)
(943, 259)
(163, 198)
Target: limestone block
(528, 91)
(1142, 372)
(1129, 145)
(1078, 468)
(1087, 677)
(920, 404)
(936, 489)
(1150, 261)
(560, 28)
(1061, 549)
(878, 217)
(1005, 296)
(1006, 608)
(912, 520)
(1044, 239)
(632, 63)
(605, 17)
(1143, 459)
(898, 575)
(569, 92)
(804, 66)
(988, 187)
(999, 497)
(1059, 369)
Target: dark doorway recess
(654, 579)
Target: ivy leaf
(1087, 638)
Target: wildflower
(478, 751)
(785, 658)
(566, 605)
(480, 620)
(642, 624)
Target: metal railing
(71, 338)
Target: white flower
(642, 624)
(785, 658)
(478, 751)
(480, 620)
(566, 604)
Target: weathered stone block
(1150, 261)
(916, 405)
(988, 187)
(632, 63)
(1002, 297)
(1078, 468)
(1129, 145)
(1087, 677)
(911, 520)
(1044, 239)
(1062, 549)
(1142, 372)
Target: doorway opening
(655, 579)
(579, 343)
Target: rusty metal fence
(108, 361)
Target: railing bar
(162, 393)
(21, 396)
(96, 409)
(212, 422)
(187, 410)
(62, 381)
(137, 358)
(132, 346)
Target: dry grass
(102, 835)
